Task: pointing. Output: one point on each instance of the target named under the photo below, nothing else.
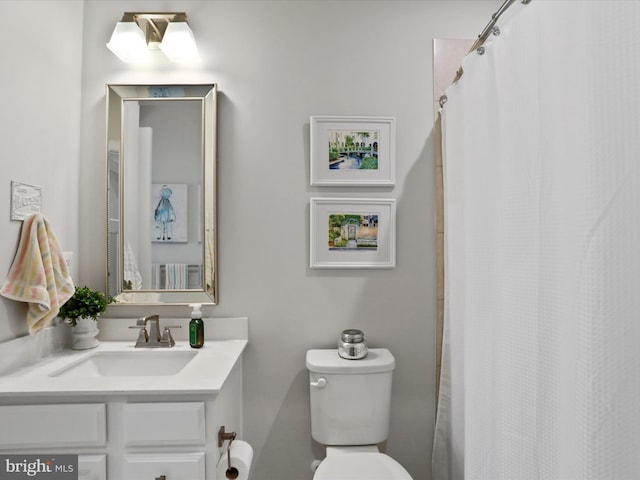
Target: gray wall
(276, 63)
(40, 80)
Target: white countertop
(205, 374)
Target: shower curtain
(541, 350)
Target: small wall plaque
(25, 200)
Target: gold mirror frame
(116, 158)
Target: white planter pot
(84, 334)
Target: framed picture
(353, 151)
(352, 233)
(169, 212)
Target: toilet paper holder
(223, 436)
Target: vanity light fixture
(178, 43)
(138, 33)
(128, 43)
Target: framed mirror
(161, 194)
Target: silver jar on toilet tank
(352, 345)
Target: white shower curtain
(541, 353)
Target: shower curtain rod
(484, 35)
(489, 29)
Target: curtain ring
(480, 51)
(443, 99)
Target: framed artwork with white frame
(352, 233)
(353, 151)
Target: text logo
(49, 467)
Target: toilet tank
(350, 399)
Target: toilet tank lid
(328, 361)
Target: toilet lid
(360, 466)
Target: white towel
(209, 264)
(38, 274)
(131, 273)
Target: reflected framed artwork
(169, 216)
(352, 233)
(353, 151)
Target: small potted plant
(82, 311)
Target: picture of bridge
(353, 150)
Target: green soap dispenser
(196, 327)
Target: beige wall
(276, 62)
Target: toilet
(350, 404)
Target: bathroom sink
(128, 364)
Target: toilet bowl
(359, 465)
(350, 404)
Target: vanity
(129, 413)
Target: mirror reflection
(161, 194)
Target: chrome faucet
(152, 337)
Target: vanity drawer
(181, 423)
(92, 467)
(45, 426)
(172, 465)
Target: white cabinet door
(53, 426)
(180, 423)
(174, 466)
(92, 467)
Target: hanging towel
(156, 275)
(38, 275)
(176, 275)
(131, 273)
(209, 264)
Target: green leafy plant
(84, 303)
